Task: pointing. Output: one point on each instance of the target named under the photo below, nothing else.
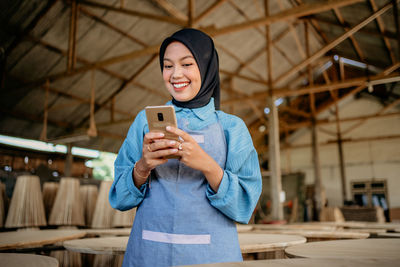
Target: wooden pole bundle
(67, 258)
(89, 194)
(67, 208)
(26, 207)
(108, 260)
(103, 212)
(49, 194)
(123, 218)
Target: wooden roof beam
(119, 90)
(386, 34)
(110, 26)
(362, 81)
(96, 65)
(381, 27)
(208, 11)
(171, 9)
(131, 12)
(333, 44)
(293, 13)
(353, 40)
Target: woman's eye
(187, 64)
(167, 66)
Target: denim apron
(175, 223)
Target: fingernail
(174, 150)
(168, 127)
(172, 143)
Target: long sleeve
(241, 184)
(124, 195)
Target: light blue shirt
(240, 187)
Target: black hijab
(202, 47)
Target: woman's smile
(180, 86)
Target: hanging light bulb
(370, 88)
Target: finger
(164, 152)
(184, 135)
(163, 144)
(150, 137)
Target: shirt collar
(202, 113)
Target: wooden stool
(68, 207)
(89, 195)
(49, 195)
(26, 207)
(103, 213)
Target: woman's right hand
(155, 149)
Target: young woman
(187, 207)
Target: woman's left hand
(192, 155)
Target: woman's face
(180, 72)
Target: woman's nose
(177, 72)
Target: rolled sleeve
(124, 194)
(241, 185)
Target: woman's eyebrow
(185, 57)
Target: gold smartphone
(158, 118)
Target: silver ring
(180, 146)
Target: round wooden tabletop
(36, 238)
(108, 232)
(374, 248)
(31, 260)
(101, 245)
(390, 235)
(317, 234)
(306, 263)
(249, 243)
(362, 225)
(242, 228)
(299, 226)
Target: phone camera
(160, 116)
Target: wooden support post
(274, 160)
(191, 9)
(112, 110)
(314, 134)
(68, 161)
(43, 135)
(92, 131)
(340, 150)
(72, 37)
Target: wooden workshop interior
(316, 83)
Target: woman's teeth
(180, 85)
